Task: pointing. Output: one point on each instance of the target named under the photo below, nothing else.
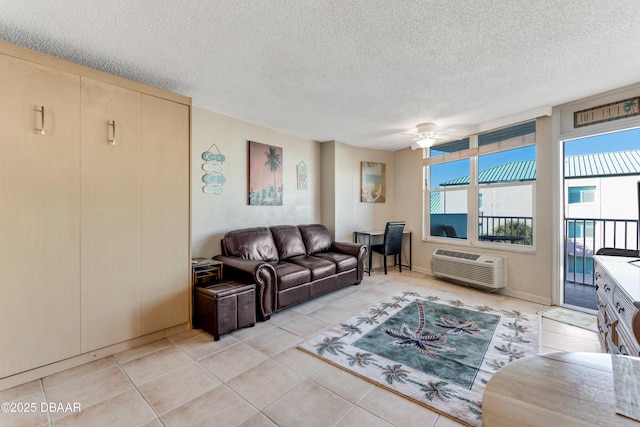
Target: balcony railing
(585, 236)
(513, 229)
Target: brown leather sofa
(290, 264)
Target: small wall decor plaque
(301, 174)
(213, 177)
(604, 113)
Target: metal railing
(585, 236)
(514, 229)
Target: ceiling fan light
(426, 142)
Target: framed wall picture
(372, 182)
(265, 175)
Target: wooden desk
(380, 233)
(553, 389)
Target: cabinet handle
(42, 129)
(112, 141)
(607, 288)
(620, 308)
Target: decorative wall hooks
(213, 178)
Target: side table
(205, 270)
(553, 389)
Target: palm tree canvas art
(265, 174)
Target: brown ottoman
(224, 307)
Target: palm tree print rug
(437, 353)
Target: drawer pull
(620, 308)
(42, 130)
(112, 141)
(606, 287)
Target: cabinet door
(39, 216)
(110, 268)
(166, 265)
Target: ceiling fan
(425, 135)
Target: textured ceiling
(361, 72)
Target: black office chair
(450, 231)
(392, 244)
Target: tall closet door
(111, 214)
(39, 215)
(166, 264)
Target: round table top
(553, 389)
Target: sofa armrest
(259, 272)
(357, 250)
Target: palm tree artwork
(265, 175)
(273, 162)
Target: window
(448, 206)
(505, 184)
(484, 187)
(582, 194)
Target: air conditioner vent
(455, 254)
(482, 271)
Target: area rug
(440, 354)
(571, 317)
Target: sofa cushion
(343, 262)
(319, 267)
(316, 238)
(288, 241)
(250, 243)
(290, 275)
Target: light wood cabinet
(95, 243)
(39, 215)
(165, 226)
(111, 214)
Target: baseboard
(72, 362)
(505, 291)
(526, 296)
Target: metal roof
(578, 166)
(602, 164)
(435, 202)
(524, 170)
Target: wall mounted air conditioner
(482, 271)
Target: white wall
(348, 213)
(498, 201)
(613, 199)
(214, 215)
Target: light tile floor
(253, 376)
